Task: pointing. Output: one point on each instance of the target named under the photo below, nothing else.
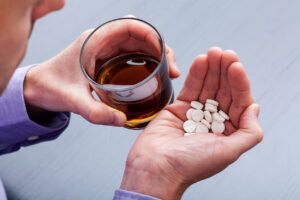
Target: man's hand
(163, 163)
(59, 85)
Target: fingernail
(257, 109)
(118, 118)
(130, 16)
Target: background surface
(87, 161)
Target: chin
(10, 71)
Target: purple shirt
(18, 130)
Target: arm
(50, 89)
(17, 128)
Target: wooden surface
(87, 161)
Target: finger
(211, 84)
(224, 93)
(146, 38)
(115, 36)
(98, 113)
(194, 80)
(240, 90)
(250, 132)
(179, 108)
(131, 45)
(229, 128)
(173, 68)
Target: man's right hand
(59, 85)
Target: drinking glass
(125, 62)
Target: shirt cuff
(16, 128)
(128, 195)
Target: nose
(45, 7)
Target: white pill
(210, 108)
(197, 123)
(189, 113)
(197, 115)
(217, 117)
(189, 126)
(212, 102)
(207, 116)
(197, 105)
(206, 123)
(201, 128)
(223, 114)
(187, 134)
(217, 127)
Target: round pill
(187, 134)
(197, 115)
(212, 102)
(210, 108)
(217, 117)
(223, 114)
(207, 116)
(206, 123)
(217, 127)
(189, 113)
(189, 126)
(197, 105)
(201, 128)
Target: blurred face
(16, 22)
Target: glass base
(139, 124)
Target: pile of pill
(201, 120)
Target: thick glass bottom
(142, 123)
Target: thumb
(97, 112)
(250, 132)
(249, 121)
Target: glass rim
(124, 88)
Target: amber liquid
(141, 103)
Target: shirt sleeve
(2, 191)
(128, 195)
(16, 128)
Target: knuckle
(84, 35)
(91, 118)
(99, 116)
(259, 134)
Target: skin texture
(15, 37)
(62, 70)
(163, 163)
(69, 89)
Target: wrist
(30, 93)
(155, 183)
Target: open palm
(177, 161)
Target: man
(162, 163)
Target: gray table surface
(87, 161)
